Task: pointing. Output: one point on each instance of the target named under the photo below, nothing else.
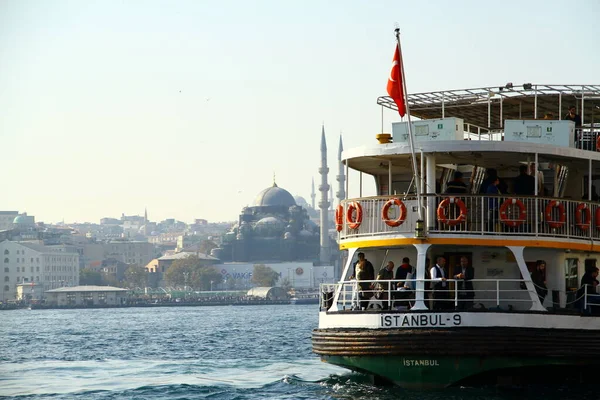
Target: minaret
(313, 194)
(145, 221)
(341, 176)
(331, 197)
(323, 203)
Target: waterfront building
(23, 262)
(87, 296)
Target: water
(252, 352)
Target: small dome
(269, 226)
(301, 201)
(24, 220)
(274, 196)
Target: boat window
(571, 278)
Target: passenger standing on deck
(405, 275)
(573, 116)
(540, 175)
(524, 183)
(383, 288)
(493, 201)
(440, 286)
(464, 273)
(539, 280)
(456, 185)
(590, 280)
(363, 271)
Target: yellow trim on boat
(470, 242)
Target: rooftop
(495, 104)
(86, 288)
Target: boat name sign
(419, 320)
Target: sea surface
(243, 352)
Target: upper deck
(473, 131)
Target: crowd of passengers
(493, 185)
(402, 291)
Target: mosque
(278, 228)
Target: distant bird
(208, 99)
(180, 91)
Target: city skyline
(188, 108)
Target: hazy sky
(188, 107)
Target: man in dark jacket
(456, 185)
(363, 271)
(464, 273)
(524, 183)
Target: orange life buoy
(441, 211)
(354, 223)
(562, 215)
(339, 212)
(386, 208)
(598, 143)
(583, 217)
(522, 212)
(598, 218)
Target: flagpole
(410, 133)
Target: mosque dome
(24, 220)
(274, 196)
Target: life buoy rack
(354, 223)
(522, 212)
(441, 211)
(583, 217)
(339, 215)
(562, 215)
(401, 216)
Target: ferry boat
(504, 329)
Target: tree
(136, 276)
(264, 276)
(180, 273)
(206, 275)
(90, 277)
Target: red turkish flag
(394, 86)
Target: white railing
(482, 215)
(487, 293)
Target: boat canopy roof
(488, 107)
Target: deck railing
(474, 214)
(506, 294)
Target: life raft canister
(386, 208)
(445, 204)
